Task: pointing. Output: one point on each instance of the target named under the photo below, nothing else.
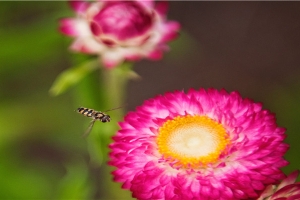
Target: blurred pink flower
(286, 190)
(206, 144)
(120, 30)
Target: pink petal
(155, 55)
(84, 46)
(289, 180)
(111, 60)
(68, 26)
(79, 6)
(171, 31)
(162, 7)
(149, 4)
(133, 57)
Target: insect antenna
(116, 108)
(87, 132)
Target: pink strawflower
(206, 144)
(120, 30)
(286, 190)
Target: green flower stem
(113, 83)
(103, 91)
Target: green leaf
(72, 76)
(77, 183)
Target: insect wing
(87, 132)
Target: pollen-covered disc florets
(192, 141)
(205, 144)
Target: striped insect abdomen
(86, 112)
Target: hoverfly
(95, 115)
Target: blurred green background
(253, 47)
(43, 153)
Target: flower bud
(120, 30)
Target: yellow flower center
(192, 141)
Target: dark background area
(252, 47)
